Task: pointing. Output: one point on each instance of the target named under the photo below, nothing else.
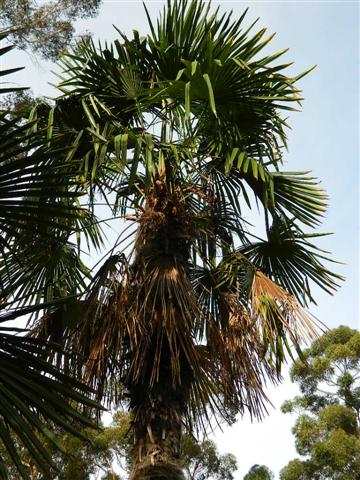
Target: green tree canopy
(44, 27)
(202, 461)
(327, 433)
(259, 472)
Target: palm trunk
(159, 396)
(158, 410)
(157, 445)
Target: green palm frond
(32, 392)
(37, 186)
(290, 259)
(196, 74)
(3, 51)
(39, 210)
(214, 64)
(292, 195)
(40, 269)
(300, 195)
(32, 188)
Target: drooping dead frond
(236, 362)
(279, 316)
(91, 330)
(237, 357)
(166, 306)
(250, 323)
(99, 338)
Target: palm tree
(179, 133)
(34, 395)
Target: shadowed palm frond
(38, 212)
(3, 51)
(39, 270)
(35, 395)
(36, 186)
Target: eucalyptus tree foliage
(327, 431)
(190, 314)
(259, 472)
(38, 200)
(44, 27)
(202, 461)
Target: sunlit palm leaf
(288, 257)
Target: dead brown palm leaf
(279, 313)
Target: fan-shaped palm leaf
(33, 391)
(290, 259)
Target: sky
(324, 139)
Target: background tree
(82, 458)
(259, 472)
(177, 133)
(202, 461)
(327, 433)
(46, 27)
(19, 103)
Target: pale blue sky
(324, 139)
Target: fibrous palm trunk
(160, 373)
(157, 433)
